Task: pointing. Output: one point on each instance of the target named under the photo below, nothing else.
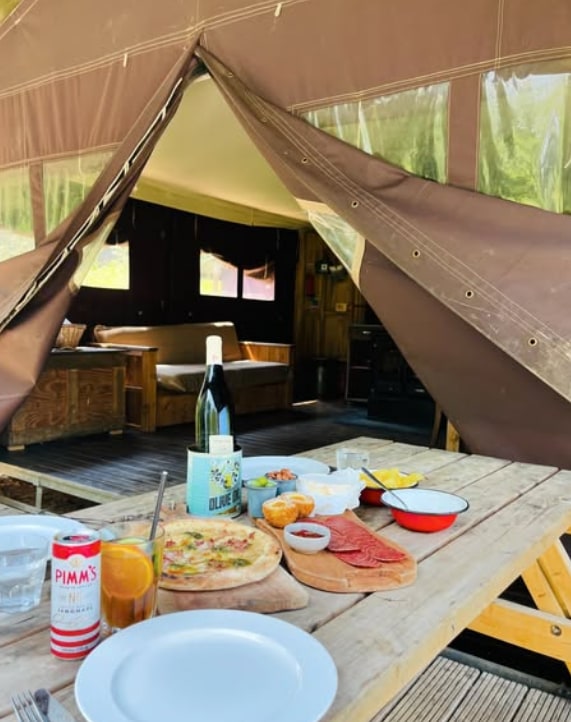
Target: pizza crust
(207, 554)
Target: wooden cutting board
(276, 593)
(325, 571)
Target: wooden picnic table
(380, 641)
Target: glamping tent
(429, 143)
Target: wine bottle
(214, 414)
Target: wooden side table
(80, 391)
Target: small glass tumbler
(348, 458)
(131, 566)
(23, 558)
(258, 491)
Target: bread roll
(305, 503)
(279, 511)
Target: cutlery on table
(51, 708)
(26, 709)
(386, 488)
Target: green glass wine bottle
(214, 414)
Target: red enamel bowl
(425, 510)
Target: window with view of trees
(221, 278)
(111, 268)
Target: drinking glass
(131, 566)
(348, 458)
(23, 558)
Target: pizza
(205, 554)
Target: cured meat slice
(348, 536)
(359, 559)
(341, 543)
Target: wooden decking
(453, 691)
(104, 467)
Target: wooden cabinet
(378, 374)
(359, 376)
(80, 391)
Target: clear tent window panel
(347, 244)
(525, 138)
(408, 129)
(110, 268)
(67, 182)
(6, 8)
(16, 221)
(217, 276)
(259, 284)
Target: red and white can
(75, 594)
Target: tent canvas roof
(414, 136)
(214, 168)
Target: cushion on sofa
(181, 343)
(187, 378)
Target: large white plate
(47, 526)
(208, 665)
(254, 466)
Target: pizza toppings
(203, 554)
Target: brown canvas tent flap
(336, 96)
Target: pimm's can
(75, 594)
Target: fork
(25, 708)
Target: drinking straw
(161, 491)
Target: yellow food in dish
(392, 479)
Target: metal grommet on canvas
(416, 253)
(354, 204)
(469, 294)
(532, 341)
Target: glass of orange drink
(131, 567)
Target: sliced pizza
(205, 554)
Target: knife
(49, 706)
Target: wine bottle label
(220, 444)
(214, 483)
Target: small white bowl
(333, 493)
(307, 544)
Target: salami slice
(359, 559)
(348, 538)
(341, 543)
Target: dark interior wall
(165, 248)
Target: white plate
(208, 665)
(254, 466)
(45, 525)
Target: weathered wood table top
(380, 641)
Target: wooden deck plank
(451, 691)
(539, 706)
(106, 466)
